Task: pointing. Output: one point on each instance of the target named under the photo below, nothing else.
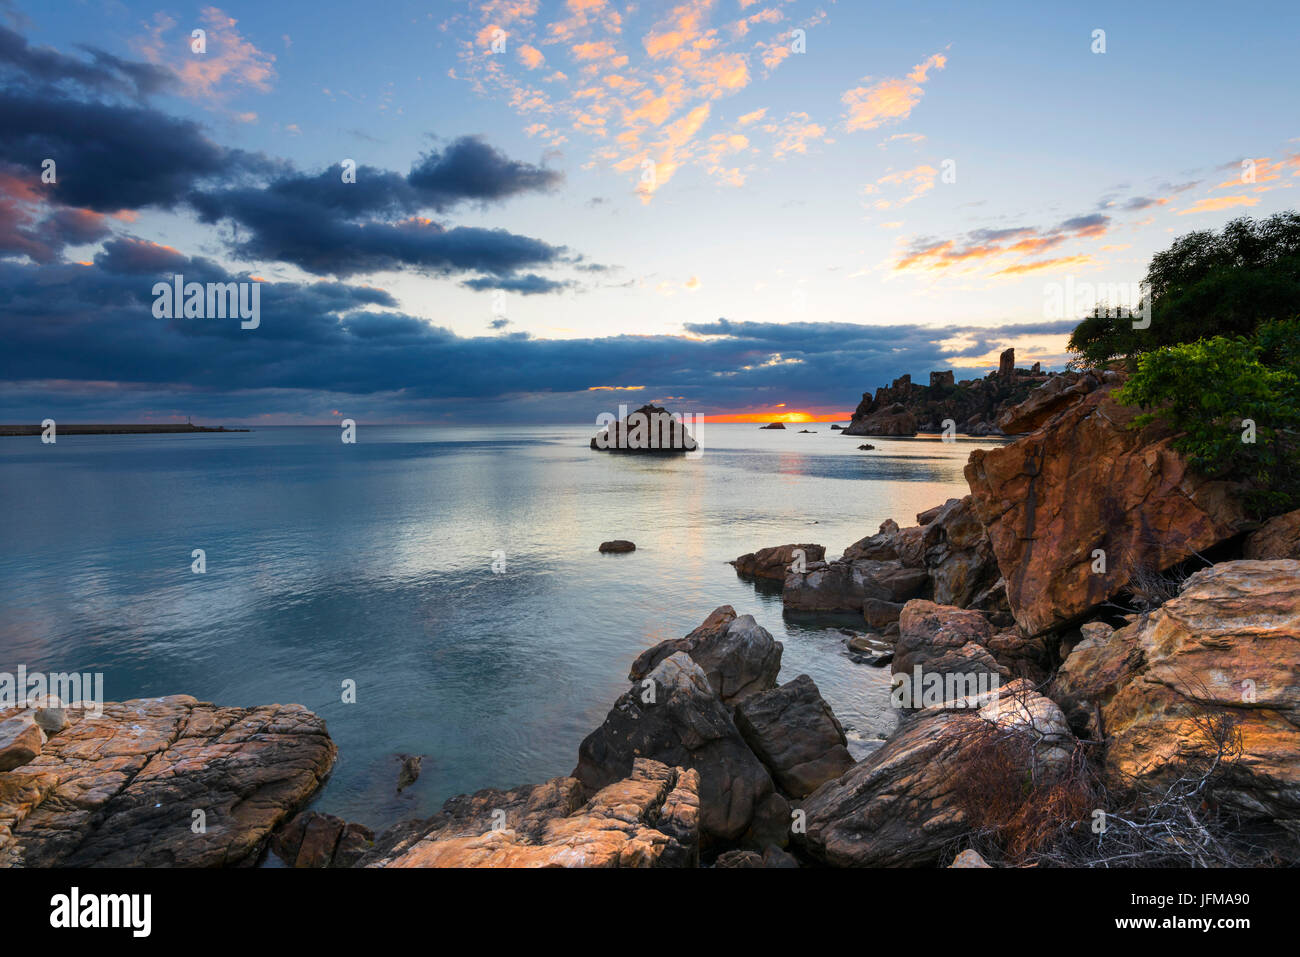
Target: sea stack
(650, 430)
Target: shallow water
(373, 563)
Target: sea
(433, 590)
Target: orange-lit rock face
(649, 819)
(1229, 643)
(1085, 481)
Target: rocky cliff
(973, 405)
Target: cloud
(1216, 203)
(993, 246)
(103, 73)
(230, 64)
(890, 99)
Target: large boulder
(958, 554)
(773, 562)
(739, 656)
(795, 734)
(1225, 645)
(315, 840)
(122, 789)
(844, 586)
(943, 640)
(20, 741)
(674, 715)
(1076, 508)
(650, 818)
(901, 805)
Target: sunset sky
(742, 207)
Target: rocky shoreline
(1092, 625)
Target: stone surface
(795, 734)
(968, 858)
(898, 807)
(1279, 537)
(20, 741)
(1086, 481)
(650, 818)
(121, 789)
(1228, 643)
(773, 562)
(739, 656)
(844, 586)
(312, 839)
(942, 639)
(685, 725)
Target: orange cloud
(230, 63)
(889, 99)
(1216, 203)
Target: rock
(650, 818)
(774, 425)
(942, 379)
(974, 404)
(879, 614)
(20, 741)
(410, 770)
(1045, 401)
(866, 447)
(899, 806)
(807, 432)
(958, 554)
(928, 516)
(321, 840)
(50, 720)
(650, 430)
(1279, 537)
(730, 859)
(883, 546)
(876, 652)
(1007, 364)
(617, 545)
(1225, 645)
(773, 562)
(968, 857)
(1145, 509)
(684, 724)
(941, 639)
(739, 656)
(121, 789)
(837, 428)
(892, 420)
(844, 586)
(793, 732)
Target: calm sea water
(373, 562)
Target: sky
(539, 211)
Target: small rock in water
(410, 770)
(866, 448)
(617, 545)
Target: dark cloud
(529, 285)
(471, 170)
(103, 73)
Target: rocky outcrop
(650, 430)
(674, 715)
(940, 639)
(900, 806)
(318, 840)
(773, 562)
(1279, 537)
(793, 731)
(616, 546)
(1075, 509)
(127, 788)
(844, 586)
(774, 425)
(973, 405)
(1229, 643)
(739, 656)
(650, 818)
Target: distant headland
(116, 429)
